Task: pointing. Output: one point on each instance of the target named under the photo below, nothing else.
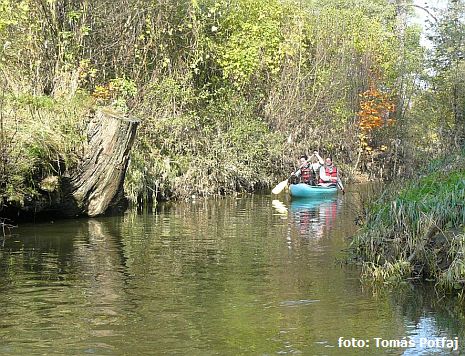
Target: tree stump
(98, 180)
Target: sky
(422, 16)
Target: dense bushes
(226, 149)
(228, 93)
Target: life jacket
(330, 173)
(306, 174)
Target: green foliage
(410, 227)
(448, 36)
(41, 137)
(218, 85)
(250, 40)
(11, 12)
(435, 121)
(124, 90)
(217, 151)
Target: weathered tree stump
(98, 180)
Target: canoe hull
(307, 191)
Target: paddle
(279, 187)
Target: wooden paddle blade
(279, 188)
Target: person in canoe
(329, 175)
(307, 172)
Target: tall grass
(41, 137)
(221, 149)
(416, 230)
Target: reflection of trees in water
(205, 225)
(67, 281)
(206, 274)
(102, 268)
(39, 250)
(198, 259)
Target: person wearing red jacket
(329, 175)
(307, 170)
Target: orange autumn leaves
(375, 108)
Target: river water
(245, 275)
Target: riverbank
(415, 229)
(224, 106)
(226, 149)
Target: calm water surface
(235, 276)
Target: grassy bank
(219, 149)
(40, 137)
(416, 230)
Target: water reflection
(63, 285)
(313, 217)
(429, 319)
(203, 278)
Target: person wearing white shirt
(329, 175)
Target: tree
(448, 63)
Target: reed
(417, 231)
